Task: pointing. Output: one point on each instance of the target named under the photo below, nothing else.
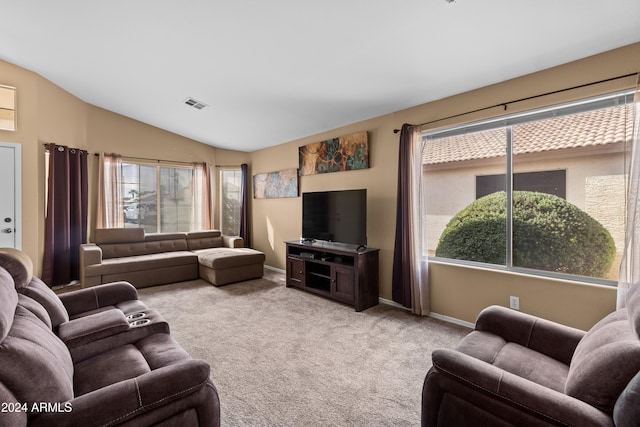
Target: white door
(10, 194)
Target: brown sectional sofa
(142, 259)
(92, 357)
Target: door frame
(17, 190)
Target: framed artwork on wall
(273, 185)
(335, 155)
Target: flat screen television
(335, 216)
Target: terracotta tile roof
(592, 128)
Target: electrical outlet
(514, 302)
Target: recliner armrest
(138, 397)
(97, 297)
(75, 333)
(523, 395)
(544, 336)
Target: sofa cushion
(18, 264)
(108, 368)
(161, 350)
(144, 262)
(158, 237)
(36, 308)
(44, 295)
(604, 362)
(122, 250)
(516, 359)
(222, 258)
(204, 239)
(118, 235)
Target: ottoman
(221, 266)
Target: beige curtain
(201, 194)
(110, 203)
(410, 286)
(630, 266)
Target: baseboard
(278, 270)
(433, 315)
(452, 320)
(392, 303)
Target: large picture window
(157, 198)
(541, 192)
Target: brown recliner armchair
(515, 369)
(98, 368)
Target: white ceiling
(278, 70)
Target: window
(550, 190)
(157, 198)
(7, 108)
(230, 194)
(551, 182)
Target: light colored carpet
(283, 357)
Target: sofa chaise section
(221, 266)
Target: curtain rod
(124, 157)
(155, 160)
(505, 104)
(228, 166)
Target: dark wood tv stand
(334, 271)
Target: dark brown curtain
(401, 279)
(244, 205)
(66, 220)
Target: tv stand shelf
(334, 271)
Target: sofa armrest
(468, 376)
(97, 297)
(118, 403)
(90, 254)
(546, 337)
(232, 241)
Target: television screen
(335, 216)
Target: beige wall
(458, 292)
(26, 135)
(47, 113)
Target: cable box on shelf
(310, 255)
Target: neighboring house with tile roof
(591, 129)
(588, 148)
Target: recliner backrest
(44, 295)
(35, 365)
(607, 358)
(20, 267)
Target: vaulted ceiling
(274, 71)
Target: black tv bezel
(359, 245)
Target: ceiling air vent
(195, 103)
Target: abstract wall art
(273, 185)
(335, 155)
